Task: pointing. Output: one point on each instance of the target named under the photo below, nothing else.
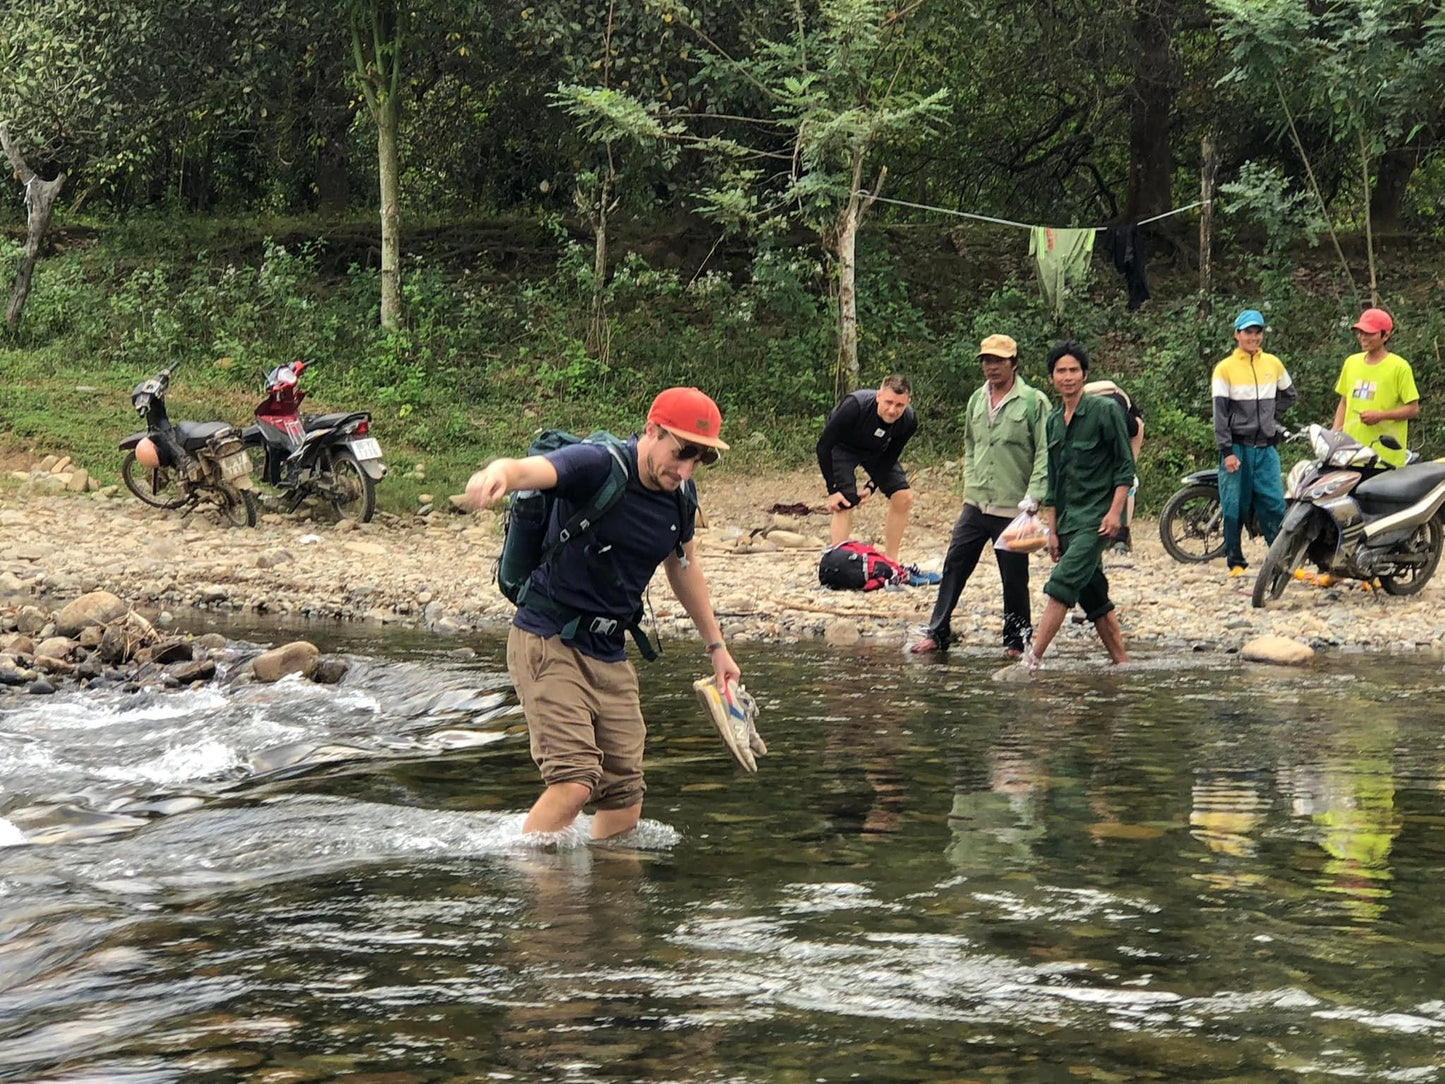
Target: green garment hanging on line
(1063, 259)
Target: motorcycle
(173, 464)
(1356, 517)
(1191, 527)
(323, 455)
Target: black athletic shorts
(845, 467)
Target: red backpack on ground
(854, 566)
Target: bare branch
(23, 173)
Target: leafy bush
(482, 359)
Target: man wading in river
(577, 688)
(1090, 471)
(1004, 463)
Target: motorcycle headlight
(1298, 475)
(1329, 486)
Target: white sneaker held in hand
(734, 715)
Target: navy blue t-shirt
(641, 529)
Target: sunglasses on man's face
(688, 450)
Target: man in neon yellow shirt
(1376, 388)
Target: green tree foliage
(1359, 70)
(838, 88)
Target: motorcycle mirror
(1390, 442)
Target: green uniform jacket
(1088, 459)
(1007, 457)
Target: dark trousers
(971, 533)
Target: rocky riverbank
(434, 570)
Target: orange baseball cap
(1374, 321)
(690, 414)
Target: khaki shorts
(583, 716)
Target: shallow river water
(1193, 870)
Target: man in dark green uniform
(1090, 471)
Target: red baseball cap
(689, 414)
(1374, 321)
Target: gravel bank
(435, 571)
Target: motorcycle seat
(313, 422)
(194, 435)
(1399, 488)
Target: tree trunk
(1392, 178)
(1208, 167)
(597, 319)
(845, 254)
(598, 315)
(1150, 160)
(842, 244)
(388, 119)
(1369, 231)
(40, 199)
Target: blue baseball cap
(1248, 318)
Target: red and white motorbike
(331, 456)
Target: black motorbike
(329, 456)
(174, 464)
(1192, 523)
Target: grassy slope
(493, 348)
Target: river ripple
(1192, 870)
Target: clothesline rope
(1010, 222)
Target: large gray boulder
(298, 657)
(96, 608)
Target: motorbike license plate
(366, 448)
(233, 466)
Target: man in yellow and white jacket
(1251, 389)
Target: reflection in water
(934, 877)
(1348, 794)
(995, 817)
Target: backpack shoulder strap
(686, 510)
(604, 500)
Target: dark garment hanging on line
(1126, 246)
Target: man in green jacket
(1004, 464)
(1090, 471)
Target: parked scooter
(323, 455)
(173, 464)
(1355, 517)
(1192, 523)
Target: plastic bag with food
(1025, 533)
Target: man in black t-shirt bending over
(868, 429)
